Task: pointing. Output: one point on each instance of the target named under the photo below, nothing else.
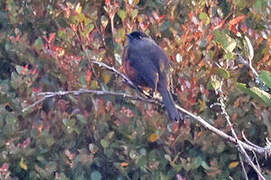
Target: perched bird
(147, 65)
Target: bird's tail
(170, 105)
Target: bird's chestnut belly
(134, 74)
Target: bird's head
(136, 35)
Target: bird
(147, 65)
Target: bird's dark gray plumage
(147, 65)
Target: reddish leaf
(24, 70)
(175, 127)
(70, 155)
(219, 25)
(15, 39)
(62, 105)
(4, 168)
(34, 71)
(128, 112)
(58, 51)
(107, 2)
(234, 22)
(244, 28)
(25, 143)
(74, 27)
(51, 38)
(66, 9)
(157, 17)
(193, 18)
(88, 76)
(153, 137)
(237, 20)
(124, 164)
(233, 164)
(74, 58)
(179, 177)
(144, 25)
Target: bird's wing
(159, 60)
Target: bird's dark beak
(129, 36)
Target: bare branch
(37, 102)
(47, 95)
(225, 136)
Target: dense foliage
(49, 45)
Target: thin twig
(256, 159)
(112, 28)
(242, 60)
(240, 145)
(251, 55)
(249, 142)
(243, 166)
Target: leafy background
(49, 45)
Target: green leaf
(104, 21)
(78, 18)
(122, 14)
(227, 43)
(81, 118)
(220, 147)
(204, 17)
(11, 119)
(83, 80)
(104, 143)
(38, 44)
(88, 29)
(51, 167)
(133, 2)
(196, 163)
(256, 93)
(96, 175)
(134, 13)
(213, 85)
(121, 33)
(167, 157)
(165, 26)
(16, 80)
(265, 76)
(204, 165)
(259, 5)
(178, 167)
(19, 69)
(229, 55)
(93, 148)
(223, 73)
